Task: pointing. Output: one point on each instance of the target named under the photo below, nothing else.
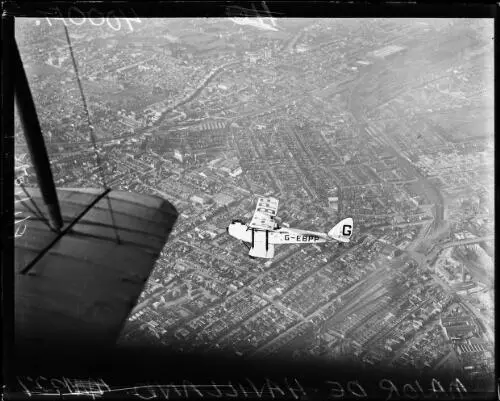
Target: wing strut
(267, 240)
(35, 142)
(253, 237)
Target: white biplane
(263, 232)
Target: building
(457, 327)
(333, 202)
(222, 199)
(178, 155)
(386, 51)
(199, 200)
(470, 348)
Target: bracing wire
(91, 131)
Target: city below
(387, 121)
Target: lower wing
(259, 250)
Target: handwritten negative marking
(96, 388)
(20, 224)
(96, 18)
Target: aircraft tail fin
(342, 230)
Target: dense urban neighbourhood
(385, 120)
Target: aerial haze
(387, 121)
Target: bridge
(466, 241)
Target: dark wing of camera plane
(75, 288)
(82, 257)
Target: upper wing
(263, 217)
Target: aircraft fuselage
(295, 236)
(280, 236)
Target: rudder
(342, 231)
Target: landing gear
(252, 257)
